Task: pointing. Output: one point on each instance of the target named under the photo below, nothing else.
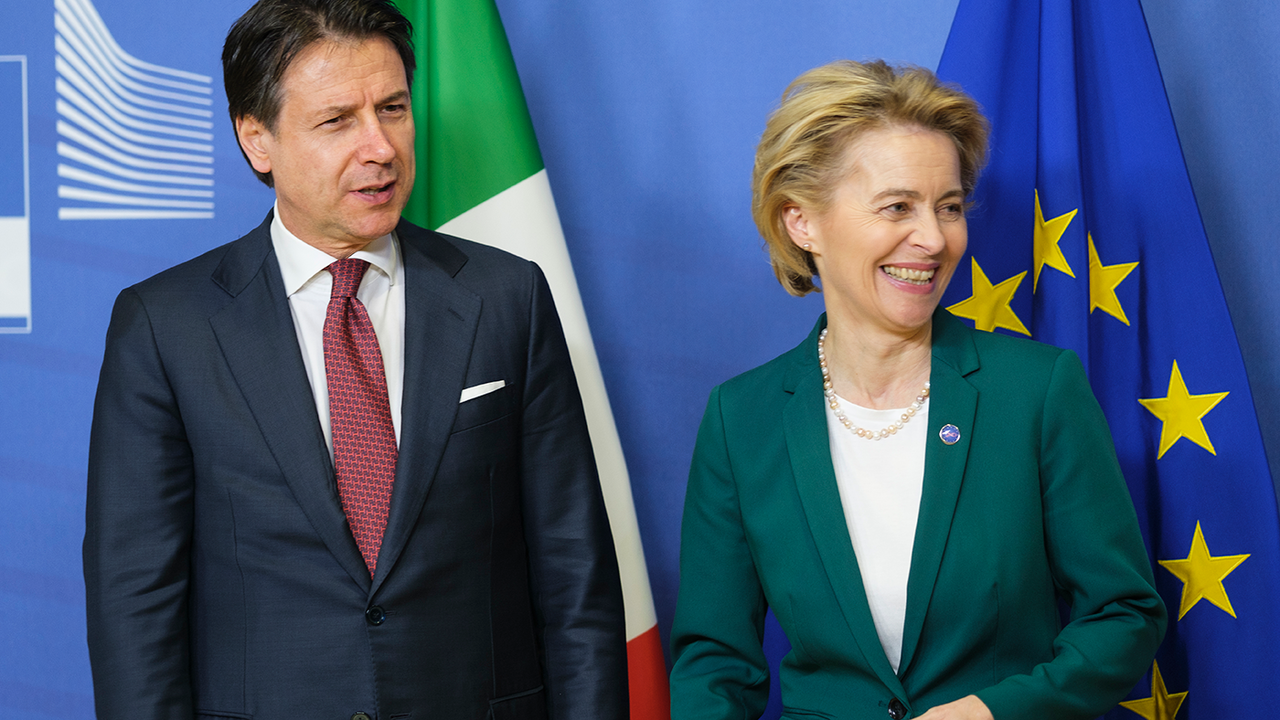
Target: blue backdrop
(647, 114)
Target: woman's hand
(966, 708)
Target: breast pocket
(528, 705)
(485, 408)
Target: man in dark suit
(339, 467)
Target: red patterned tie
(364, 440)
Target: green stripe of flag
(467, 104)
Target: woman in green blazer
(912, 498)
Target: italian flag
(481, 177)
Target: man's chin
(375, 227)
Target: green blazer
(1029, 506)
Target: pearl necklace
(828, 390)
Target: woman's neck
(875, 369)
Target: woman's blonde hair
(801, 155)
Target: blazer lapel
(441, 317)
(805, 426)
(255, 331)
(952, 401)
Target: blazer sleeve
(138, 528)
(1099, 565)
(577, 591)
(719, 668)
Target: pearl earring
(807, 247)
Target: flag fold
(481, 177)
(1085, 234)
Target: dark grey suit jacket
(221, 577)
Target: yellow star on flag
(1103, 281)
(1181, 413)
(1202, 575)
(1044, 249)
(1161, 705)
(988, 306)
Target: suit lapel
(441, 318)
(255, 331)
(805, 426)
(952, 401)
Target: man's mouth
(915, 277)
(377, 189)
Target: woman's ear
(800, 227)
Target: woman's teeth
(915, 277)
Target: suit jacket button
(897, 710)
(374, 616)
(360, 716)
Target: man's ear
(255, 141)
(800, 227)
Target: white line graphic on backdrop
(15, 217)
(136, 139)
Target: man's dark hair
(265, 40)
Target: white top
(880, 483)
(308, 284)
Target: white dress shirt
(880, 485)
(308, 284)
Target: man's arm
(575, 568)
(138, 527)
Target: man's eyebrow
(340, 110)
(395, 97)
(334, 111)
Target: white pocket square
(472, 393)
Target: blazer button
(374, 616)
(897, 710)
(360, 716)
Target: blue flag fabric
(1085, 234)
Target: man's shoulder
(474, 264)
(248, 251)
(453, 250)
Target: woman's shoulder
(998, 362)
(761, 379)
(953, 336)
(777, 375)
(997, 346)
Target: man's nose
(375, 144)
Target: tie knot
(346, 277)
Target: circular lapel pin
(950, 434)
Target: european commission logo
(15, 198)
(134, 138)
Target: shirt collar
(300, 262)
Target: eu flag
(1085, 234)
